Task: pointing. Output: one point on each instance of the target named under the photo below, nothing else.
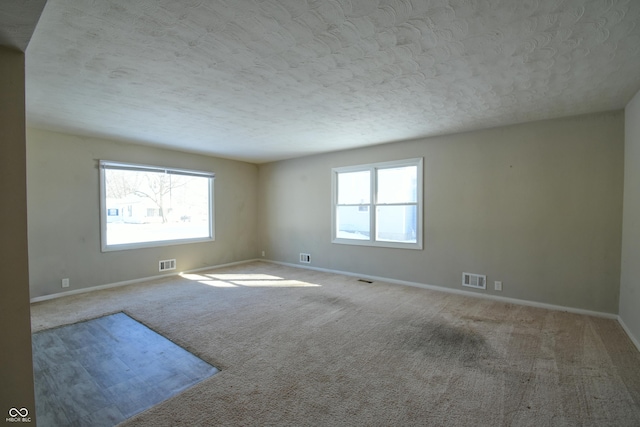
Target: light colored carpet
(299, 347)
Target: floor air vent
(168, 264)
(477, 281)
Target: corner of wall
(16, 369)
(629, 315)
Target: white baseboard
(456, 291)
(131, 282)
(633, 339)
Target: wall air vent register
(476, 281)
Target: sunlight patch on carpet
(246, 280)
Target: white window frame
(106, 164)
(373, 168)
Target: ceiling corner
(18, 20)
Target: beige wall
(64, 226)
(16, 369)
(629, 283)
(537, 206)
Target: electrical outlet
(305, 258)
(497, 286)
(262, 253)
(65, 283)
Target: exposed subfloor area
(102, 371)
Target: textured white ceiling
(265, 80)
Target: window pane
(144, 206)
(354, 188)
(396, 223)
(352, 222)
(398, 185)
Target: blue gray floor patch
(102, 371)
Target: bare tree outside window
(159, 188)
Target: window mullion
(374, 204)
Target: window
(145, 206)
(378, 204)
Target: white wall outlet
(305, 258)
(65, 283)
(497, 286)
(262, 253)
